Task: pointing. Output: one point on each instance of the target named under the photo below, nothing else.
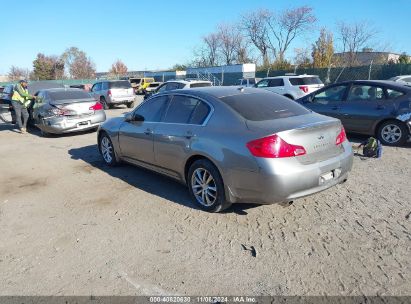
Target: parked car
(86, 87)
(140, 84)
(7, 113)
(113, 92)
(371, 107)
(152, 87)
(178, 85)
(293, 87)
(403, 79)
(248, 82)
(66, 110)
(231, 145)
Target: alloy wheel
(204, 187)
(106, 149)
(391, 133)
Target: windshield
(72, 94)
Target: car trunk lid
(75, 108)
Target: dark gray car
(231, 145)
(370, 107)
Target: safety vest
(23, 100)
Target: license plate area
(329, 176)
(83, 124)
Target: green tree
(79, 65)
(47, 67)
(404, 59)
(323, 50)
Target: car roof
(290, 76)
(55, 90)
(187, 81)
(220, 91)
(388, 83)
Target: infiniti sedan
(60, 111)
(231, 145)
(370, 107)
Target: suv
(113, 92)
(179, 84)
(293, 87)
(248, 82)
(140, 84)
(7, 113)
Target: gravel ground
(72, 226)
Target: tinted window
(200, 113)
(74, 94)
(135, 80)
(162, 88)
(121, 84)
(104, 86)
(200, 85)
(262, 84)
(97, 87)
(251, 81)
(333, 94)
(153, 85)
(264, 106)
(277, 82)
(305, 81)
(393, 93)
(180, 109)
(365, 92)
(172, 86)
(152, 109)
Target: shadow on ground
(145, 180)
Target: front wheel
(392, 133)
(107, 150)
(206, 186)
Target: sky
(154, 35)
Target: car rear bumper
(121, 99)
(284, 180)
(60, 125)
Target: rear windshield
(72, 94)
(200, 85)
(263, 106)
(135, 80)
(305, 81)
(119, 84)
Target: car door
(95, 91)
(328, 101)
(136, 137)
(364, 107)
(181, 125)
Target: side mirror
(138, 117)
(129, 117)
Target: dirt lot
(72, 226)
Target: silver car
(60, 111)
(113, 92)
(231, 145)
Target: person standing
(21, 100)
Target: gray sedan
(231, 145)
(60, 111)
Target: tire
(106, 149)
(130, 104)
(212, 198)
(104, 103)
(392, 133)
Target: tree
(230, 39)
(179, 67)
(404, 59)
(302, 58)
(323, 50)
(255, 27)
(47, 67)
(118, 68)
(286, 26)
(79, 65)
(354, 37)
(17, 73)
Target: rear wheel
(206, 186)
(130, 104)
(107, 150)
(392, 133)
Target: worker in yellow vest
(21, 100)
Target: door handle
(148, 132)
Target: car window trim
(151, 98)
(188, 124)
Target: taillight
(274, 147)
(304, 89)
(109, 92)
(96, 106)
(341, 137)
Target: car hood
(113, 124)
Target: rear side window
(392, 94)
(200, 85)
(185, 109)
(305, 81)
(122, 84)
(264, 106)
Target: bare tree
(212, 43)
(118, 68)
(230, 39)
(79, 65)
(17, 73)
(255, 28)
(354, 37)
(302, 58)
(286, 26)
